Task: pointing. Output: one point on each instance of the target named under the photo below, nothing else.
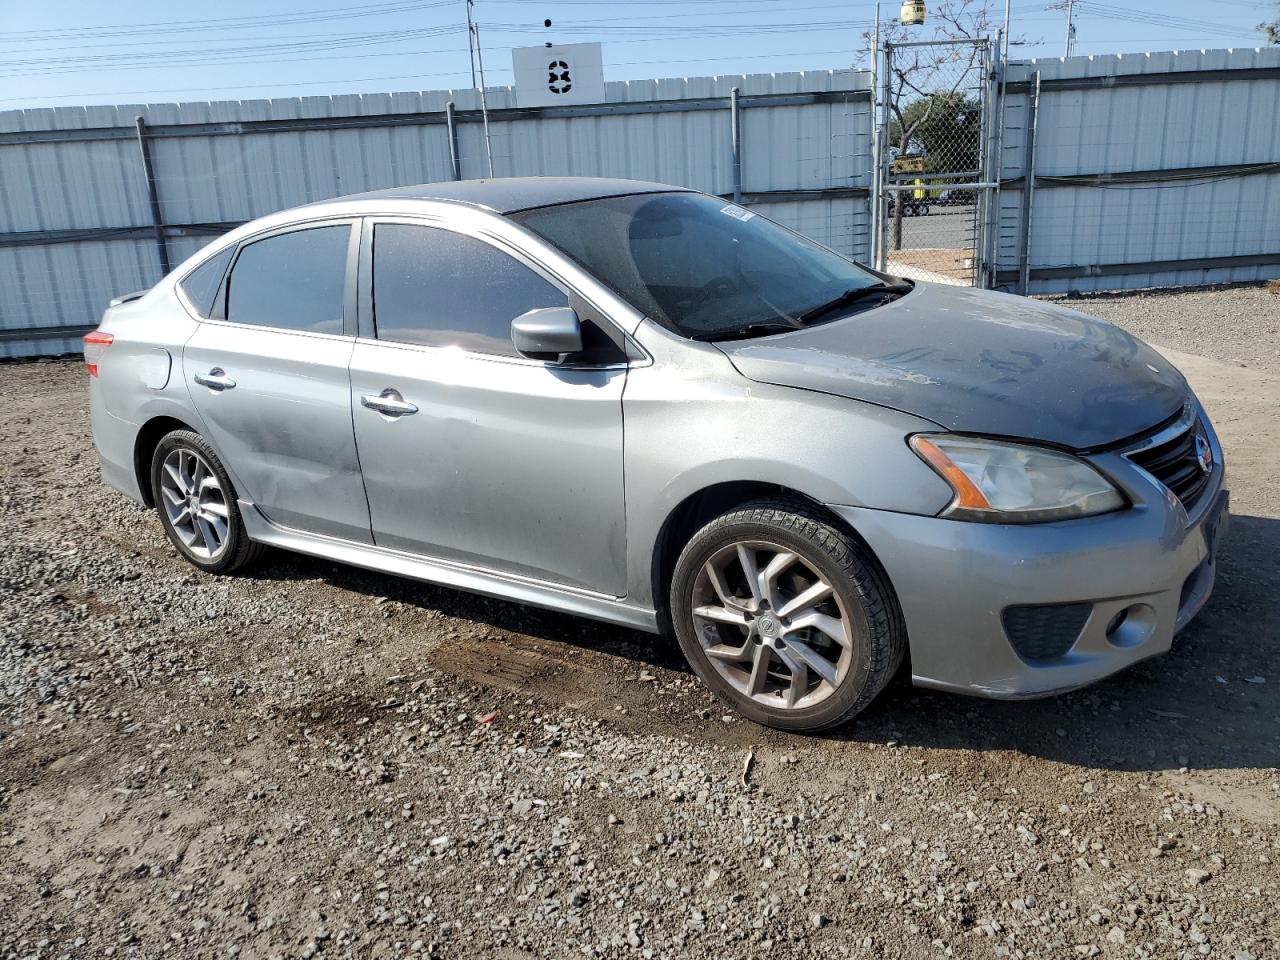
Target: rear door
(496, 461)
(268, 375)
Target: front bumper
(954, 580)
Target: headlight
(1000, 482)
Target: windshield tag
(735, 211)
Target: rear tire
(813, 642)
(197, 504)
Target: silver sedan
(650, 406)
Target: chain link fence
(937, 128)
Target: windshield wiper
(887, 290)
(750, 330)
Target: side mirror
(547, 333)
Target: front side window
(442, 289)
(699, 265)
(294, 281)
(201, 284)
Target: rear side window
(291, 280)
(443, 289)
(201, 284)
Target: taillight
(95, 345)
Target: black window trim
(219, 313)
(633, 353)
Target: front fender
(697, 423)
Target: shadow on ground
(1202, 705)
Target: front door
(483, 457)
(269, 379)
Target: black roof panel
(509, 194)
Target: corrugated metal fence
(78, 224)
(1140, 170)
(1116, 172)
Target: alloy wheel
(195, 503)
(771, 625)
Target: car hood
(975, 361)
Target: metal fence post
(735, 133)
(873, 175)
(451, 122)
(982, 198)
(883, 175)
(997, 171)
(1029, 185)
(157, 219)
(984, 266)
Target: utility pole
(471, 47)
(474, 31)
(1004, 53)
(1071, 29)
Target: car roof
(510, 194)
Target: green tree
(1271, 30)
(947, 127)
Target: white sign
(737, 212)
(549, 76)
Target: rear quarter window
(201, 285)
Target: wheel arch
(144, 447)
(704, 505)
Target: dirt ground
(311, 760)
(930, 263)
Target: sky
(79, 52)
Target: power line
(318, 37)
(696, 13)
(229, 23)
(416, 76)
(300, 48)
(194, 56)
(236, 42)
(717, 29)
(224, 24)
(1129, 15)
(277, 52)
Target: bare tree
(932, 74)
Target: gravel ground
(1232, 324)
(314, 760)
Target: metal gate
(935, 143)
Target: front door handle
(389, 403)
(216, 380)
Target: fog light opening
(1115, 623)
(1131, 626)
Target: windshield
(698, 265)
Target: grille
(1175, 462)
(1045, 632)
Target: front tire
(786, 616)
(197, 504)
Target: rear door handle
(216, 380)
(389, 403)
